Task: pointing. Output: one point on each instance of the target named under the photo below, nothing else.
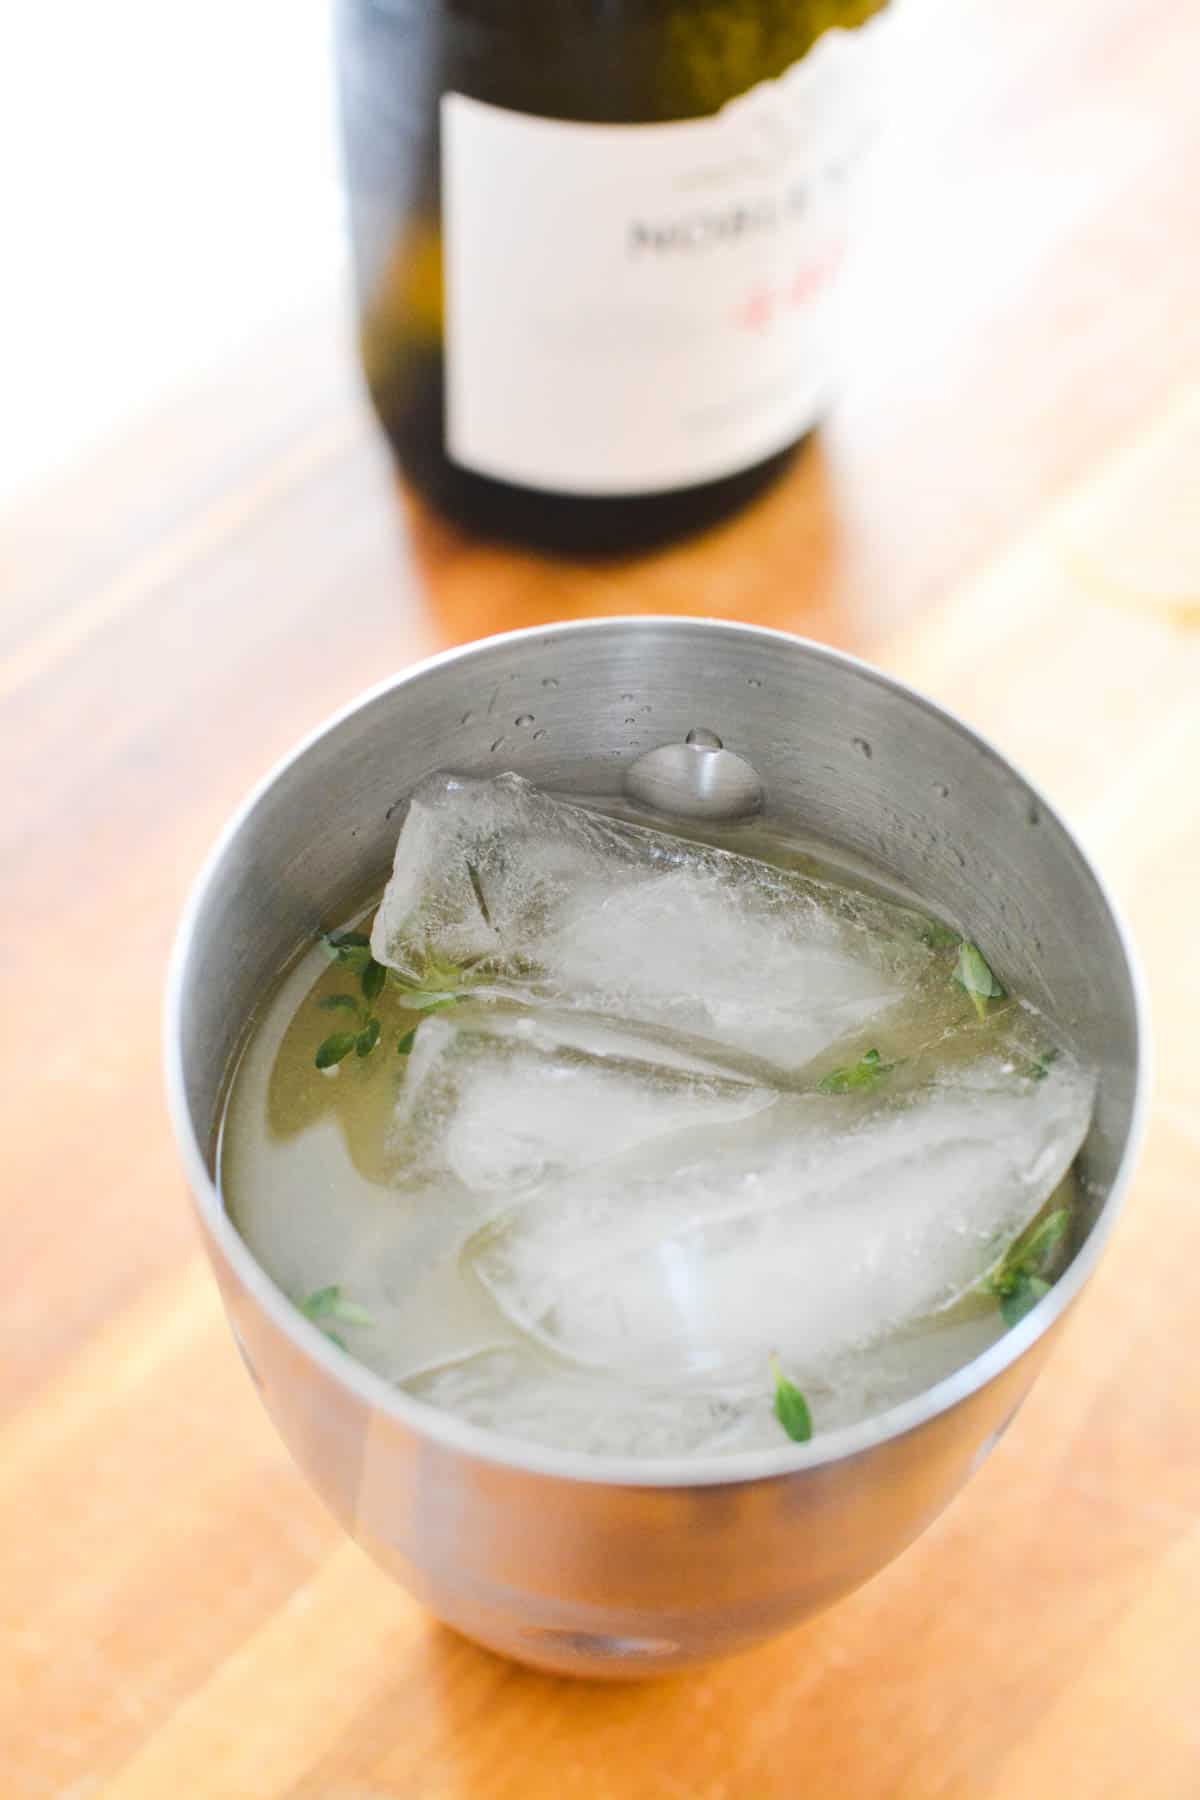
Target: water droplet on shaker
(698, 779)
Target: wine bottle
(593, 244)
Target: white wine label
(632, 308)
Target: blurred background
(172, 194)
(1021, 286)
(205, 548)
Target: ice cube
(516, 1391)
(841, 1224)
(501, 1102)
(538, 900)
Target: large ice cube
(520, 1391)
(841, 1225)
(500, 1102)
(514, 1390)
(534, 899)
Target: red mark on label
(755, 314)
(808, 282)
(806, 285)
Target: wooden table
(1005, 509)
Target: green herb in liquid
(974, 976)
(327, 1307)
(865, 1074)
(1018, 1283)
(352, 950)
(791, 1408)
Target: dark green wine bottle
(593, 241)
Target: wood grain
(1004, 509)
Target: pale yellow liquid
(310, 1180)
